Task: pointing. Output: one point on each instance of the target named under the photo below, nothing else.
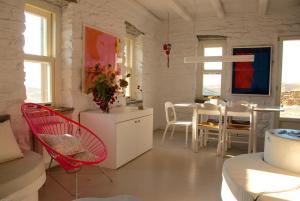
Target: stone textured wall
(242, 30)
(12, 90)
(110, 17)
(176, 84)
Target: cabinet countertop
(122, 110)
(120, 114)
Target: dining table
(255, 109)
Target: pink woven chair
(43, 120)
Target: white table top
(186, 104)
(268, 109)
(257, 108)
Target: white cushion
(9, 148)
(65, 144)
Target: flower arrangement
(106, 86)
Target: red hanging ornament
(167, 49)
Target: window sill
(133, 102)
(61, 110)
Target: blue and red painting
(252, 77)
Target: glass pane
(127, 89)
(128, 53)
(211, 84)
(37, 82)
(290, 82)
(35, 34)
(213, 66)
(213, 51)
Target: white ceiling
(204, 8)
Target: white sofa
(248, 177)
(20, 179)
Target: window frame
(279, 78)
(49, 56)
(201, 71)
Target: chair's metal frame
(43, 120)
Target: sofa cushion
(9, 148)
(19, 173)
(249, 177)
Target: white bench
(20, 179)
(248, 177)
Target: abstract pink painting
(100, 48)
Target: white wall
(245, 30)
(108, 16)
(159, 83)
(12, 90)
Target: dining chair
(172, 121)
(217, 101)
(238, 119)
(210, 124)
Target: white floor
(168, 172)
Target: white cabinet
(126, 131)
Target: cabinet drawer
(133, 137)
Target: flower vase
(104, 106)
(140, 106)
(106, 110)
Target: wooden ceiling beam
(219, 8)
(147, 11)
(179, 10)
(263, 7)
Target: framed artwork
(99, 48)
(252, 77)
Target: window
(290, 82)
(38, 58)
(211, 72)
(128, 50)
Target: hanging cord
(168, 39)
(168, 29)
(167, 45)
(195, 50)
(194, 29)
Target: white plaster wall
(159, 83)
(242, 30)
(12, 90)
(108, 16)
